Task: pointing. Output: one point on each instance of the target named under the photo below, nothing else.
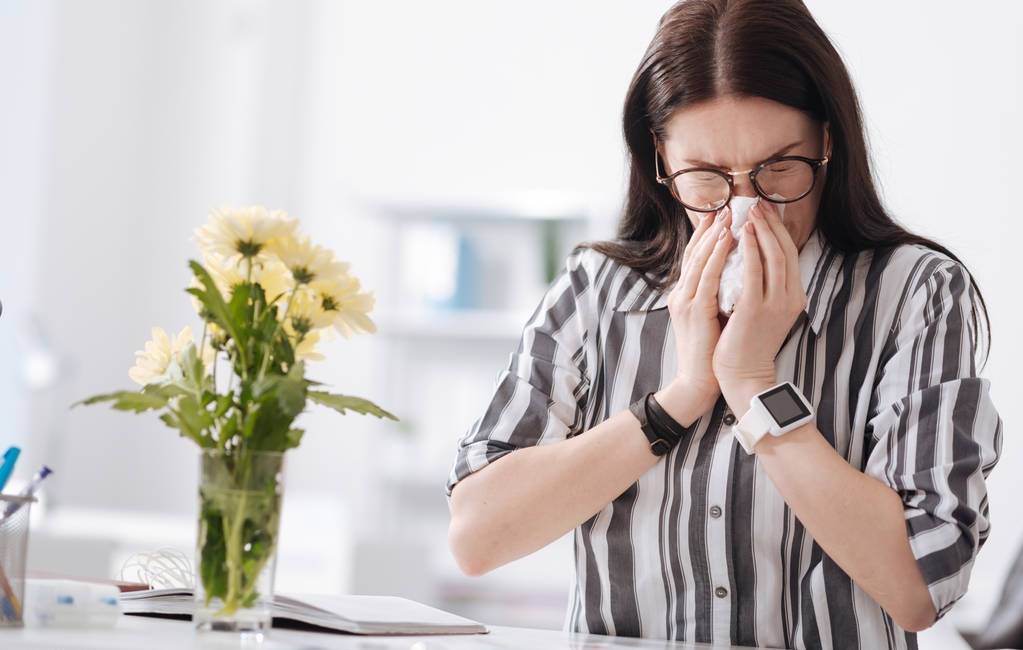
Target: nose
(743, 186)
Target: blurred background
(453, 152)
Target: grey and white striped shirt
(702, 548)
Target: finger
(753, 271)
(710, 278)
(706, 220)
(703, 221)
(773, 218)
(772, 256)
(702, 252)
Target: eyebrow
(780, 152)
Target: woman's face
(738, 133)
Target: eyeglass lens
(784, 180)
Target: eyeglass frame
(668, 181)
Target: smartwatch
(775, 411)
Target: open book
(354, 614)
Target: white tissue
(731, 274)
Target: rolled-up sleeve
(935, 434)
(540, 396)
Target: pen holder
(14, 511)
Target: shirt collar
(818, 269)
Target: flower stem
(277, 329)
(233, 541)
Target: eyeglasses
(780, 180)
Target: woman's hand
(772, 299)
(693, 305)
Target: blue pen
(29, 490)
(10, 457)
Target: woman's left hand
(771, 300)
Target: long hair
(704, 49)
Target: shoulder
(603, 270)
(923, 286)
(587, 260)
(613, 285)
(914, 268)
(900, 281)
(922, 262)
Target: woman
(857, 528)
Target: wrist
(738, 395)
(684, 403)
(761, 421)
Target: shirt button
(720, 592)
(729, 418)
(715, 511)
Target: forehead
(738, 130)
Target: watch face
(784, 405)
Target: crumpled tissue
(731, 275)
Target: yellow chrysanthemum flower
(243, 235)
(214, 334)
(269, 273)
(306, 350)
(305, 260)
(158, 362)
(347, 307)
(306, 313)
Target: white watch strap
(751, 427)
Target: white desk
(135, 632)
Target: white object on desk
(69, 603)
(356, 614)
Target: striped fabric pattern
(702, 548)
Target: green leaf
(229, 429)
(344, 403)
(213, 302)
(277, 401)
(193, 371)
(224, 402)
(168, 390)
(185, 423)
(294, 437)
(249, 423)
(194, 420)
(128, 400)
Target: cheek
(694, 217)
(799, 219)
(800, 215)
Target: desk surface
(156, 634)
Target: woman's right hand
(693, 306)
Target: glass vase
(239, 516)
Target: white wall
(25, 52)
(159, 112)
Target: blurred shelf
(530, 206)
(122, 526)
(478, 324)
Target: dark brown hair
(773, 49)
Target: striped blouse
(702, 548)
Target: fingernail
(721, 235)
